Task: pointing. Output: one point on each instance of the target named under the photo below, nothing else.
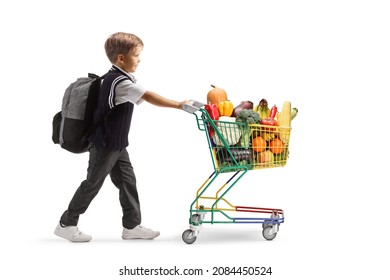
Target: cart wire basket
(236, 148)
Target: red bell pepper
(213, 111)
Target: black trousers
(115, 163)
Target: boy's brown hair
(121, 43)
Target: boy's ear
(120, 58)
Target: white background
(329, 58)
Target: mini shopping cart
(236, 148)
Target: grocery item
(225, 108)
(216, 95)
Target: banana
(267, 136)
(263, 109)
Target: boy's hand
(181, 104)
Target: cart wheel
(266, 233)
(268, 223)
(188, 237)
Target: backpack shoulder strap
(93, 127)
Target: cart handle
(192, 106)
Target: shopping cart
(236, 148)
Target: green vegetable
(245, 138)
(294, 112)
(248, 116)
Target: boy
(108, 154)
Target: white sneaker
(139, 232)
(72, 233)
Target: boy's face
(129, 62)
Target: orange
(259, 144)
(276, 146)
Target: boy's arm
(158, 100)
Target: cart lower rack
(236, 148)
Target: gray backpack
(74, 123)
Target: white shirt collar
(131, 76)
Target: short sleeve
(127, 91)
